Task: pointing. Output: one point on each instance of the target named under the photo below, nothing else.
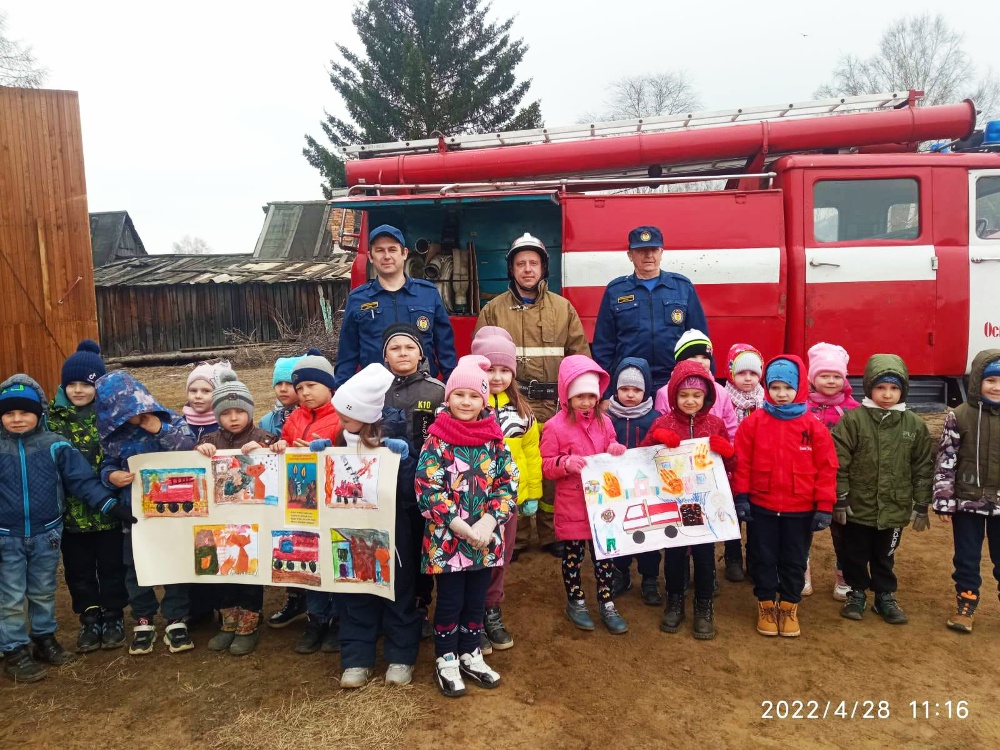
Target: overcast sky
(194, 112)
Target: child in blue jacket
(37, 468)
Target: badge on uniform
(423, 324)
(677, 316)
(369, 306)
(626, 298)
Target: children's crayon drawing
(226, 550)
(361, 556)
(301, 506)
(247, 480)
(352, 481)
(651, 498)
(295, 557)
(174, 492)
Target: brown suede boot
(788, 619)
(226, 634)
(767, 621)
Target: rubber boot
(247, 633)
(224, 638)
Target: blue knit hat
(992, 369)
(283, 369)
(85, 366)
(20, 397)
(313, 367)
(784, 371)
(891, 378)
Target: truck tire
(638, 537)
(670, 531)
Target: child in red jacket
(690, 394)
(785, 486)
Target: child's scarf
(743, 401)
(615, 409)
(198, 419)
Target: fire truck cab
(811, 227)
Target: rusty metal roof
(163, 270)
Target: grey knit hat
(230, 393)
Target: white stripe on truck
(842, 265)
(750, 265)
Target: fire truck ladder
(660, 124)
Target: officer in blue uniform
(392, 297)
(643, 314)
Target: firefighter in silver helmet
(545, 328)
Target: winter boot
(227, 634)
(704, 620)
(293, 609)
(576, 611)
(496, 632)
(854, 607)
(807, 588)
(840, 587)
(621, 581)
(767, 617)
(673, 615)
(734, 569)
(965, 608)
(247, 633)
(788, 620)
(112, 631)
(21, 667)
(448, 675)
(312, 637)
(477, 670)
(613, 620)
(90, 631)
(651, 592)
(177, 637)
(49, 650)
(143, 636)
(485, 644)
(886, 605)
(331, 641)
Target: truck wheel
(312, 566)
(159, 507)
(276, 564)
(638, 537)
(670, 531)
(174, 507)
(188, 506)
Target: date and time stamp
(873, 710)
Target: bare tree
(917, 52)
(18, 66)
(648, 95)
(192, 246)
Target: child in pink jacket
(579, 430)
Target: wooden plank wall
(154, 319)
(47, 301)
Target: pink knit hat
(495, 343)
(586, 382)
(470, 373)
(692, 381)
(207, 372)
(825, 357)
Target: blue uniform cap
(645, 237)
(389, 230)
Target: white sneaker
(840, 588)
(355, 677)
(399, 674)
(448, 676)
(478, 670)
(807, 589)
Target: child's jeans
(461, 606)
(494, 594)
(28, 571)
(142, 599)
(969, 531)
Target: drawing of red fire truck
(645, 516)
(297, 551)
(175, 492)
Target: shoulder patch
(626, 298)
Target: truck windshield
(852, 210)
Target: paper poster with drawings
(656, 497)
(253, 479)
(347, 548)
(352, 481)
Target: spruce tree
(429, 65)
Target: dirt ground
(562, 688)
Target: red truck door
(869, 266)
(984, 261)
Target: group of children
(801, 453)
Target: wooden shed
(46, 270)
(170, 303)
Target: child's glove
(667, 437)
(919, 519)
(821, 520)
(616, 449)
(841, 510)
(720, 445)
(122, 512)
(397, 446)
(320, 444)
(742, 503)
(528, 508)
(575, 464)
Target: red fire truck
(821, 221)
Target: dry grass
(118, 670)
(292, 339)
(370, 719)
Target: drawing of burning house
(361, 556)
